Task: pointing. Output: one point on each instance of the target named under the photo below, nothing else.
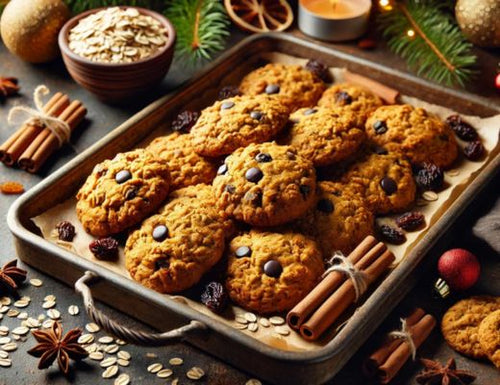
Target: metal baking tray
(223, 341)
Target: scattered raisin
(66, 231)
(343, 98)
(228, 92)
(319, 69)
(214, 297)
(474, 150)
(12, 188)
(104, 248)
(411, 221)
(185, 121)
(391, 235)
(430, 177)
(461, 128)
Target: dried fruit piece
(185, 121)
(8, 87)
(260, 15)
(104, 248)
(474, 150)
(461, 128)
(320, 69)
(11, 188)
(66, 231)
(392, 235)
(430, 177)
(367, 43)
(411, 221)
(214, 297)
(228, 92)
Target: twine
(58, 127)
(357, 277)
(405, 334)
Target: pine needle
(438, 51)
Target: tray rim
(338, 344)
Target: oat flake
(122, 379)
(73, 310)
(96, 356)
(155, 368)
(36, 282)
(176, 361)
(5, 362)
(164, 373)
(110, 372)
(195, 373)
(92, 327)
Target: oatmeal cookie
(489, 337)
(121, 192)
(271, 272)
(265, 185)
(422, 137)
(296, 86)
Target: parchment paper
(456, 180)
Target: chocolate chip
(131, 193)
(123, 176)
(273, 268)
(304, 190)
(343, 98)
(222, 169)
(255, 198)
(262, 157)
(160, 233)
(230, 189)
(291, 155)
(380, 150)
(389, 185)
(380, 127)
(243, 251)
(272, 89)
(253, 175)
(310, 111)
(227, 105)
(161, 263)
(325, 206)
(256, 115)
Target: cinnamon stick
(387, 94)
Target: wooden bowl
(118, 82)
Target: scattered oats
(250, 317)
(4, 354)
(253, 381)
(453, 172)
(110, 372)
(96, 356)
(124, 355)
(21, 303)
(92, 327)
(86, 339)
(253, 326)
(23, 315)
(5, 301)
(155, 368)
(92, 348)
(120, 342)
(164, 373)
(36, 282)
(277, 320)
(176, 361)
(73, 310)
(175, 382)
(49, 304)
(4, 309)
(13, 313)
(54, 314)
(111, 349)
(240, 326)
(1, 316)
(41, 317)
(123, 362)
(4, 330)
(16, 337)
(264, 322)
(151, 355)
(241, 320)
(47, 324)
(105, 340)
(4, 340)
(5, 362)
(430, 196)
(32, 323)
(107, 362)
(10, 347)
(21, 330)
(122, 379)
(195, 373)
(277, 336)
(50, 297)
(283, 330)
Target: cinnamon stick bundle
(387, 94)
(389, 358)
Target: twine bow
(58, 127)
(357, 277)
(405, 335)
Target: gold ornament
(29, 28)
(479, 21)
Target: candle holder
(334, 20)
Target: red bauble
(459, 268)
(497, 81)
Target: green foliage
(440, 52)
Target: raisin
(474, 150)
(228, 92)
(343, 98)
(461, 128)
(411, 221)
(319, 69)
(66, 231)
(391, 235)
(430, 177)
(104, 248)
(185, 121)
(11, 188)
(214, 297)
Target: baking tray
(225, 342)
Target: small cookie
(172, 250)
(385, 181)
(236, 122)
(324, 135)
(186, 166)
(265, 185)
(460, 324)
(348, 97)
(489, 337)
(271, 272)
(121, 192)
(296, 86)
(418, 135)
(339, 221)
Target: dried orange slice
(260, 15)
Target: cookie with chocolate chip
(271, 272)
(420, 136)
(265, 184)
(293, 84)
(236, 122)
(122, 191)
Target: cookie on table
(419, 135)
(489, 337)
(358, 100)
(265, 185)
(460, 324)
(186, 166)
(122, 191)
(271, 272)
(295, 85)
(236, 122)
(324, 135)
(340, 219)
(384, 180)
(172, 250)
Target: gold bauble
(479, 21)
(29, 28)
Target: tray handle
(129, 335)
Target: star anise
(52, 345)
(8, 86)
(11, 276)
(436, 373)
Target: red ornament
(459, 268)
(497, 81)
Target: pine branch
(438, 51)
